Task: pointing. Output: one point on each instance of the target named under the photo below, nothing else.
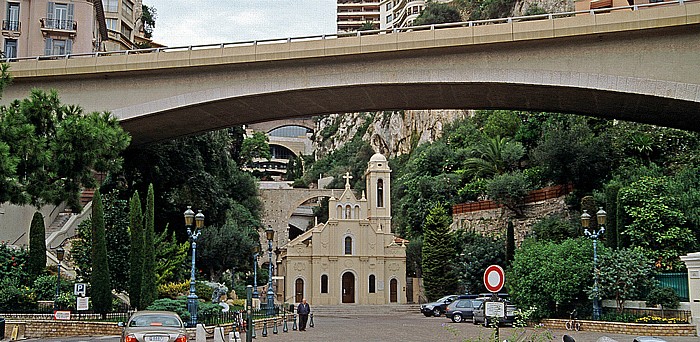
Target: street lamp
(270, 234)
(60, 253)
(256, 249)
(193, 235)
(594, 235)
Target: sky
(196, 22)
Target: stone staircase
(364, 310)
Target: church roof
(377, 157)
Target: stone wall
(494, 221)
(635, 329)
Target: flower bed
(627, 328)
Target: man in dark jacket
(303, 310)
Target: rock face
(549, 6)
(389, 133)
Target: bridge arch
(280, 204)
(620, 65)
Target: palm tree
(494, 156)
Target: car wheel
(486, 322)
(427, 314)
(457, 318)
(437, 312)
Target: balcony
(58, 26)
(11, 28)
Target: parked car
(478, 316)
(462, 309)
(153, 326)
(437, 307)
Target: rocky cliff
(548, 6)
(389, 133)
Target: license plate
(156, 338)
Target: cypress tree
(37, 246)
(101, 284)
(439, 278)
(148, 284)
(510, 243)
(136, 253)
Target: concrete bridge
(279, 204)
(630, 64)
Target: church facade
(353, 258)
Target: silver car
(154, 326)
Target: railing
(473, 23)
(684, 315)
(44, 310)
(59, 24)
(11, 25)
(533, 196)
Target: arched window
(357, 212)
(380, 193)
(339, 211)
(348, 245)
(372, 281)
(324, 283)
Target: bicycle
(573, 323)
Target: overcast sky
(194, 22)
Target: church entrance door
(393, 290)
(348, 287)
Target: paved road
(398, 327)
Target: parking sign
(80, 289)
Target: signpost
(80, 289)
(494, 278)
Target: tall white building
(352, 14)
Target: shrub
(659, 320)
(15, 297)
(179, 306)
(664, 296)
(203, 290)
(619, 317)
(13, 262)
(45, 287)
(173, 290)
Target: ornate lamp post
(270, 234)
(193, 235)
(256, 249)
(60, 253)
(594, 235)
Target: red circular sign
(494, 278)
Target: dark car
(478, 316)
(154, 326)
(437, 307)
(462, 309)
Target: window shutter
(49, 10)
(48, 47)
(70, 15)
(69, 46)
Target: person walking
(303, 310)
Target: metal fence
(677, 281)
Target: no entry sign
(494, 278)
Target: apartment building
(400, 13)
(47, 28)
(353, 14)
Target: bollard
(252, 330)
(274, 326)
(219, 334)
(264, 332)
(284, 326)
(201, 335)
(234, 336)
(311, 320)
(294, 326)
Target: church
(353, 258)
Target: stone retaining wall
(627, 328)
(54, 328)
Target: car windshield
(155, 321)
(443, 299)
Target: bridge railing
(472, 23)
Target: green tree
(137, 251)
(437, 13)
(101, 284)
(569, 151)
(228, 247)
(367, 26)
(438, 250)
(37, 246)
(81, 251)
(551, 276)
(116, 216)
(509, 189)
(49, 151)
(664, 296)
(148, 17)
(555, 228)
(414, 257)
(149, 290)
(476, 252)
(255, 147)
(656, 222)
(624, 274)
(494, 156)
(171, 258)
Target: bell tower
(378, 178)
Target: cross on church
(347, 179)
